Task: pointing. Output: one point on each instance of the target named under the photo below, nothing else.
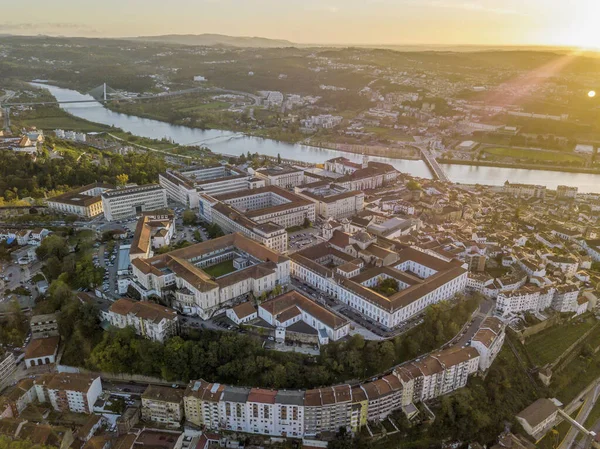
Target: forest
(21, 176)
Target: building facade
(132, 201)
(150, 320)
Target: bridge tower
(104, 91)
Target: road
(590, 400)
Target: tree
(189, 217)
(53, 245)
(122, 179)
(413, 185)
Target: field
(388, 133)
(532, 155)
(546, 346)
(54, 118)
(575, 377)
(220, 269)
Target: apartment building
(286, 177)
(153, 231)
(201, 403)
(69, 392)
(327, 409)
(14, 401)
(253, 410)
(292, 307)
(442, 372)
(163, 406)
(568, 265)
(150, 320)
(8, 366)
(524, 190)
(132, 201)
(565, 298)
(488, 341)
(332, 200)
(185, 186)
(185, 273)
(312, 412)
(563, 192)
(527, 298)
(422, 280)
(85, 201)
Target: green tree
(189, 217)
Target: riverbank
(589, 171)
(370, 150)
(281, 136)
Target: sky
(393, 22)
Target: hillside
(218, 39)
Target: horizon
(362, 23)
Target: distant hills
(211, 40)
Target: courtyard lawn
(546, 346)
(533, 155)
(220, 269)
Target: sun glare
(592, 93)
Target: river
(232, 143)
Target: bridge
(102, 94)
(432, 163)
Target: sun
(592, 93)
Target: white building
(430, 281)
(565, 298)
(538, 418)
(84, 202)
(524, 190)
(186, 185)
(41, 351)
(69, 392)
(442, 372)
(566, 192)
(154, 230)
(291, 307)
(8, 366)
(524, 299)
(488, 341)
(149, 319)
(131, 201)
(286, 177)
(332, 200)
(185, 273)
(242, 313)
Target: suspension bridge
(101, 94)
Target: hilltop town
(250, 300)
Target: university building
(422, 279)
(83, 202)
(185, 186)
(202, 278)
(131, 201)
